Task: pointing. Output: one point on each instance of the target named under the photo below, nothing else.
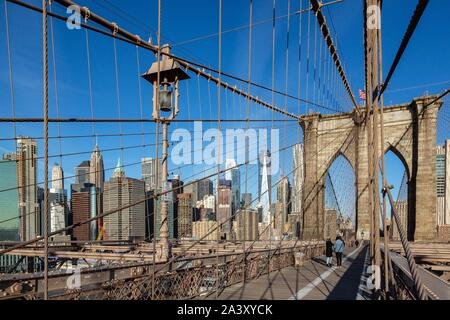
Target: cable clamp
(138, 39)
(116, 28)
(87, 14)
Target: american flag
(362, 94)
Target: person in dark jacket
(329, 252)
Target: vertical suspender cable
(286, 72)
(263, 161)
(116, 67)
(376, 189)
(307, 59)
(11, 83)
(383, 173)
(248, 123)
(314, 63)
(319, 83)
(55, 80)
(88, 59)
(273, 55)
(219, 143)
(299, 67)
(45, 96)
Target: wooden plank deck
(313, 281)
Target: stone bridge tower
(409, 131)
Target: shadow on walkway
(348, 285)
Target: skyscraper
(277, 225)
(57, 177)
(234, 176)
(120, 191)
(265, 174)
(204, 187)
(58, 210)
(283, 196)
(401, 208)
(184, 215)
(298, 174)
(9, 211)
(443, 183)
(246, 200)
(149, 173)
(177, 185)
(9, 230)
(209, 202)
(82, 206)
(27, 180)
(206, 230)
(264, 191)
(96, 169)
(192, 189)
(82, 174)
(247, 225)
(295, 225)
(57, 216)
(224, 211)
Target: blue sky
(424, 67)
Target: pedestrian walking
(329, 252)
(338, 250)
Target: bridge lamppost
(165, 76)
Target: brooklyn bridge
(224, 150)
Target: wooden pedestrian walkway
(313, 281)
